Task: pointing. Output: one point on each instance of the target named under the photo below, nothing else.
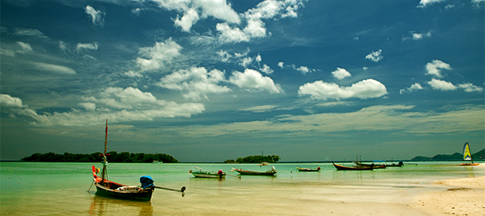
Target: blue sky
(210, 80)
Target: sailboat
(467, 156)
(107, 188)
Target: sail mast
(105, 163)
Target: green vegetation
(453, 157)
(255, 159)
(123, 157)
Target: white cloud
(341, 73)
(225, 56)
(86, 46)
(469, 87)
(304, 69)
(133, 74)
(417, 36)
(375, 56)
(434, 67)
(7, 52)
(219, 9)
(320, 90)
(185, 22)
(425, 3)
(195, 83)
(259, 109)
(413, 87)
(9, 101)
(252, 80)
(477, 2)
(246, 61)
(88, 105)
(441, 85)
(266, 69)
(255, 29)
(157, 56)
(95, 15)
(25, 47)
(54, 68)
(230, 35)
(281, 64)
(29, 32)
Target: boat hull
(340, 167)
(307, 169)
(144, 195)
(469, 164)
(247, 172)
(208, 175)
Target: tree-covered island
(255, 159)
(113, 156)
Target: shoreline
(457, 196)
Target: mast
(105, 162)
(471, 158)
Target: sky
(211, 80)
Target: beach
(423, 189)
(460, 196)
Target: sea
(37, 188)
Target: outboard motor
(146, 181)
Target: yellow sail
(466, 152)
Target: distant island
(255, 159)
(453, 157)
(113, 156)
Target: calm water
(62, 188)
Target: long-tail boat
(340, 167)
(205, 174)
(308, 169)
(271, 172)
(107, 188)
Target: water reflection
(108, 206)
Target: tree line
(113, 156)
(255, 159)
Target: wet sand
(463, 196)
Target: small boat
(467, 156)
(263, 164)
(271, 172)
(204, 174)
(340, 167)
(107, 188)
(375, 166)
(308, 169)
(400, 164)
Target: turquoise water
(62, 188)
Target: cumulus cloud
(59, 69)
(281, 64)
(132, 74)
(442, 85)
(159, 55)
(341, 73)
(9, 101)
(469, 87)
(266, 69)
(433, 68)
(187, 20)
(195, 83)
(95, 15)
(252, 80)
(230, 35)
(413, 87)
(88, 105)
(364, 89)
(425, 3)
(375, 56)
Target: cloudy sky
(210, 80)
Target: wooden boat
(400, 164)
(204, 174)
(308, 169)
(271, 172)
(467, 156)
(107, 188)
(375, 166)
(340, 167)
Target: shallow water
(62, 188)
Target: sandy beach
(462, 196)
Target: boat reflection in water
(107, 206)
